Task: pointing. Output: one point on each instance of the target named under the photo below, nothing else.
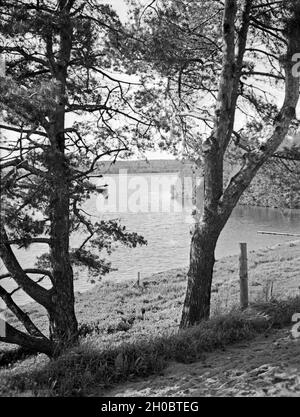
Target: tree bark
(63, 323)
(63, 326)
(202, 259)
(206, 233)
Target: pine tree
(221, 60)
(62, 110)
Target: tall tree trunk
(204, 240)
(202, 259)
(63, 323)
(218, 204)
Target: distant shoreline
(263, 191)
(154, 166)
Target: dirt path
(266, 366)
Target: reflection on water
(168, 233)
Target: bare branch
(30, 271)
(85, 222)
(20, 314)
(91, 108)
(20, 130)
(96, 159)
(12, 163)
(36, 344)
(35, 291)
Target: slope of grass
(87, 369)
(118, 341)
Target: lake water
(144, 203)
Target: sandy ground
(268, 366)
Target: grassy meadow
(129, 330)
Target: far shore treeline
(274, 186)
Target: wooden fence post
(139, 279)
(244, 300)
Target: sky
(120, 6)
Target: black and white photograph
(150, 203)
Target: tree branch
(29, 241)
(20, 314)
(36, 344)
(254, 159)
(35, 291)
(91, 108)
(20, 130)
(30, 271)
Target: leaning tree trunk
(204, 239)
(219, 203)
(202, 260)
(206, 233)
